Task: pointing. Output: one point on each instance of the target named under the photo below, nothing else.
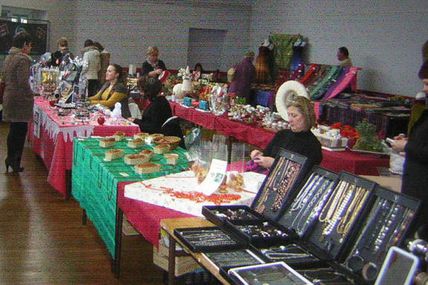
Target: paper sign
(214, 177)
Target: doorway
(206, 47)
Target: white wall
(127, 28)
(384, 37)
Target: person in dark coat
(62, 52)
(415, 171)
(298, 138)
(18, 99)
(244, 75)
(157, 117)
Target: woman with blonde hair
(153, 66)
(298, 139)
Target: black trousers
(15, 142)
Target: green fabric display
(283, 50)
(95, 181)
(322, 87)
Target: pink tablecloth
(357, 163)
(143, 216)
(54, 142)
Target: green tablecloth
(94, 182)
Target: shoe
(15, 168)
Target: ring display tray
(279, 187)
(259, 233)
(303, 212)
(341, 215)
(208, 239)
(218, 215)
(386, 225)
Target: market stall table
(354, 162)
(52, 139)
(95, 182)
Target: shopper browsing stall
(62, 52)
(298, 138)
(244, 75)
(91, 56)
(415, 172)
(113, 91)
(153, 66)
(18, 99)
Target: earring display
(285, 175)
(340, 214)
(234, 258)
(207, 239)
(306, 207)
(385, 226)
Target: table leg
(84, 217)
(67, 184)
(117, 243)
(171, 260)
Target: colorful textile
(283, 49)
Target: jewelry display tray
(327, 275)
(218, 215)
(208, 239)
(367, 255)
(267, 195)
(298, 263)
(260, 233)
(288, 218)
(334, 244)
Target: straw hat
(285, 90)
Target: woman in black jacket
(415, 172)
(157, 117)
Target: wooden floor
(42, 240)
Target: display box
(269, 273)
(386, 225)
(327, 276)
(341, 215)
(259, 233)
(293, 254)
(279, 187)
(208, 239)
(218, 215)
(304, 211)
(225, 260)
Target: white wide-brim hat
(288, 88)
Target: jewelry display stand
(386, 225)
(331, 228)
(341, 214)
(280, 185)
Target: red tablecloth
(357, 163)
(143, 216)
(54, 144)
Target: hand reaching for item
(264, 161)
(399, 143)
